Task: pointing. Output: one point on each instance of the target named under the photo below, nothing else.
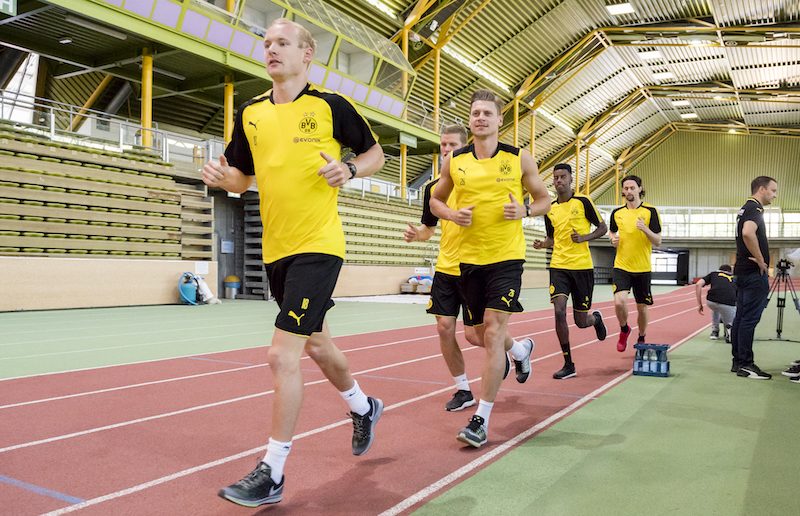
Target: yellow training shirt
(634, 248)
(485, 184)
(280, 144)
(577, 214)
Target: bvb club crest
(308, 124)
(505, 167)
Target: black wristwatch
(353, 169)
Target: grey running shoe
(474, 434)
(523, 367)
(461, 400)
(257, 488)
(364, 426)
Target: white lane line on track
(417, 497)
(363, 348)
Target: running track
(162, 437)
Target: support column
(588, 175)
(533, 134)
(78, 120)
(147, 98)
(516, 122)
(616, 183)
(403, 164)
(228, 108)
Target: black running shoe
(796, 362)
(792, 372)
(568, 371)
(754, 372)
(257, 488)
(507, 366)
(523, 367)
(796, 379)
(599, 325)
(734, 366)
(461, 400)
(364, 426)
(474, 434)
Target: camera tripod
(781, 284)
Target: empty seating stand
(65, 200)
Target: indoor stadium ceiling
(617, 76)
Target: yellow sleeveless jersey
(448, 259)
(485, 184)
(280, 144)
(634, 249)
(576, 214)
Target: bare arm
(540, 199)
(698, 289)
(599, 231)
(219, 174)
(542, 244)
(654, 238)
(337, 173)
(751, 242)
(420, 233)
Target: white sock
(356, 399)
(461, 382)
(275, 458)
(518, 350)
(485, 410)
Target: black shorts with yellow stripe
(577, 283)
(446, 299)
(303, 285)
(638, 282)
(491, 287)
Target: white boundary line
(405, 503)
(501, 449)
(237, 369)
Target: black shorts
(302, 285)
(446, 299)
(578, 283)
(491, 287)
(639, 282)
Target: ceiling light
(718, 97)
(86, 24)
(65, 40)
(449, 50)
(687, 116)
(731, 131)
(679, 103)
(619, 9)
(660, 76)
(385, 9)
(167, 73)
(650, 55)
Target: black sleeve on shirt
(655, 221)
(751, 212)
(428, 218)
(238, 151)
(349, 127)
(590, 211)
(612, 224)
(548, 226)
(707, 278)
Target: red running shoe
(622, 342)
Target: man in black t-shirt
(721, 299)
(751, 271)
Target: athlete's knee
(446, 326)
(560, 312)
(472, 336)
(282, 361)
(581, 319)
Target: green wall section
(715, 170)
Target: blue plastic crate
(651, 360)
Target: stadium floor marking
(33, 488)
(425, 493)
